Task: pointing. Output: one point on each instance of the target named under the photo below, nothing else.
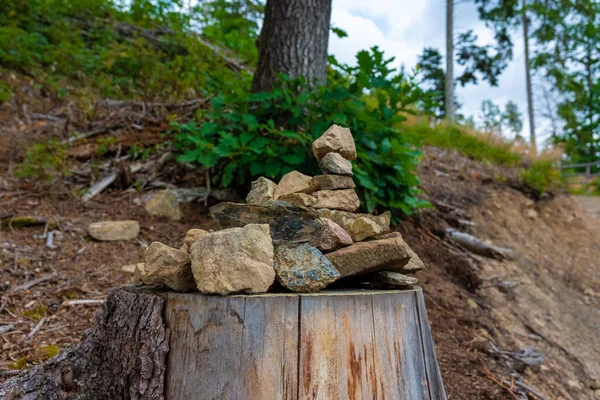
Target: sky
(402, 28)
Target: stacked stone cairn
(300, 235)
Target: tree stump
(330, 345)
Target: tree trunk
(121, 357)
(532, 140)
(449, 81)
(293, 41)
(329, 345)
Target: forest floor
(482, 311)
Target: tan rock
(263, 190)
(164, 204)
(299, 199)
(345, 200)
(390, 254)
(334, 163)
(165, 266)
(363, 228)
(295, 182)
(333, 182)
(129, 268)
(345, 219)
(108, 231)
(139, 274)
(234, 260)
(414, 264)
(332, 237)
(192, 236)
(335, 139)
(392, 280)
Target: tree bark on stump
(123, 356)
(329, 345)
(293, 41)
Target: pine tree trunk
(449, 83)
(293, 41)
(532, 140)
(123, 356)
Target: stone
(345, 219)
(234, 260)
(332, 182)
(334, 163)
(332, 237)
(335, 139)
(139, 274)
(295, 182)
(299, 199)
(191, 237)
(303, 268)
(363, 228)
(391, 280)
(165, 266)
(129, 268)
(345, 200)
(288, 223)
(263, 190)
(390, 254)
(414, 264)
(108, 231)
(164, 204)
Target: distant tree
(293, 41)
(513, 119)
(491, 116)
(430, 66)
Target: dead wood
(477, 246)
(122, 356)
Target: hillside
(482, 310)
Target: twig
(499, 383)
(10, 372)
(50, 240)
(36, 328)
(84, 302)
(105, 182)
(530, 390)
(34, 282)
(6, 328)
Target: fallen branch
(30, 284)
(36, 328)
(6, 328)
(530, 390)
(108, 180)
(84, 302)
(491, 377)
(477, 246)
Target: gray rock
(262, 191)
(332, 237)
(335, 139)
(235, 260)
(108, 231)
(164, 204)
(303, 268)
(345, 199)
(288, 223)
(165, 266)
(391, 280)
(334, 163)
(332, 182)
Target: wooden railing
(588, 172)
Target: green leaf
(207, 159)
(339, 32)
(188, 156)
(228, 174)
(294, 158)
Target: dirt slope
(546, 296)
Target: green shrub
(450, 136)
(44, 160)
(250, 135)
(542, 176)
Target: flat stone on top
(335, 139)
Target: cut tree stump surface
(330, 345)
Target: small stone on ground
(108, 231)
(164, 204)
